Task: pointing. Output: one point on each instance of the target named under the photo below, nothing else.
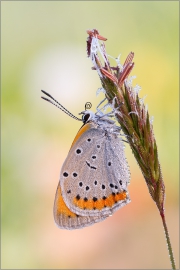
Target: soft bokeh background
(44, 47)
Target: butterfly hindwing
(65, 219)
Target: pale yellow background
(44, 47)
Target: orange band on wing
(61, 206)
(101, 203)
(81, 131)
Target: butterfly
(95, 175)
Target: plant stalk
(171, 255)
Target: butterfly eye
(85, 118)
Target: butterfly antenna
(58, 105)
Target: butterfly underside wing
(95, 174)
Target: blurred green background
(44, 47)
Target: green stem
(171, 256)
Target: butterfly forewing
(89, 184)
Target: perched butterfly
(94, 177)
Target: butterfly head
(88, 116)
